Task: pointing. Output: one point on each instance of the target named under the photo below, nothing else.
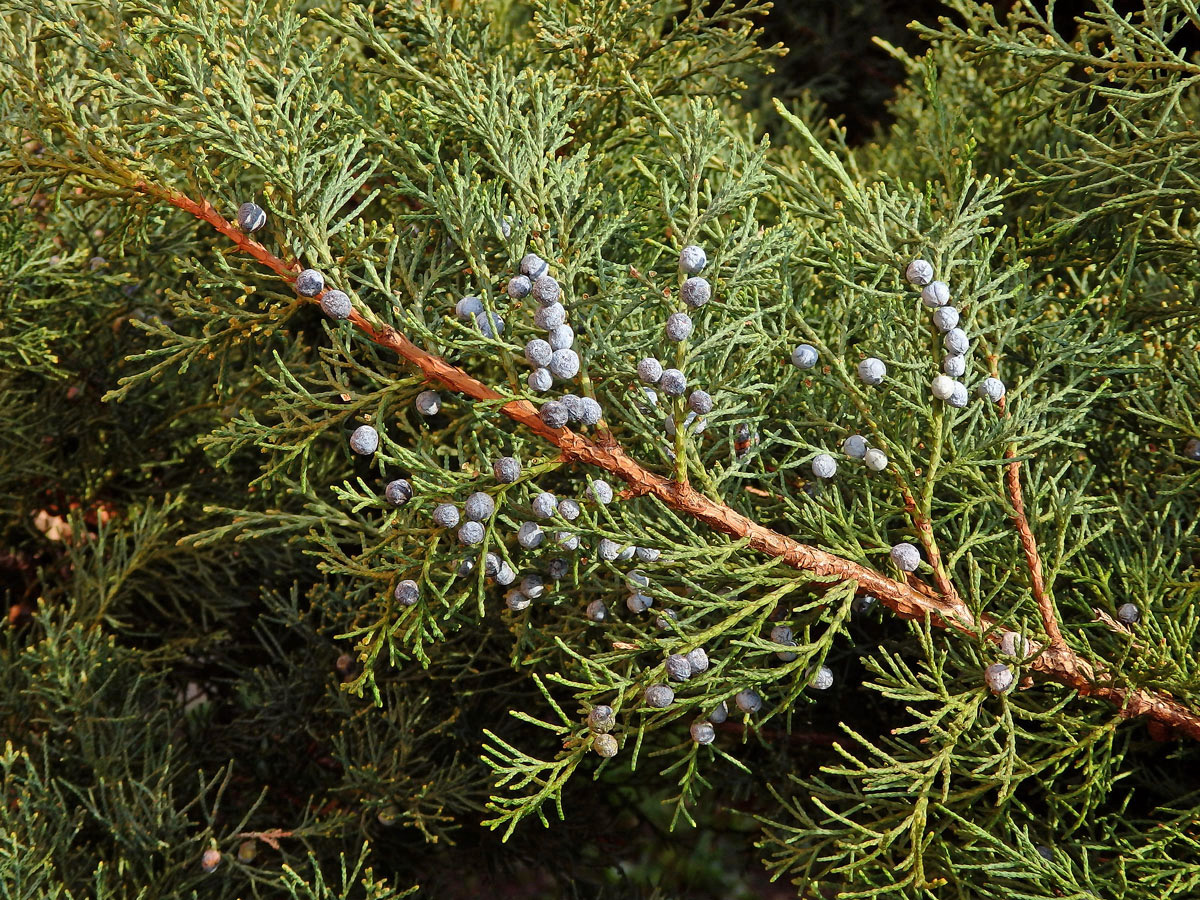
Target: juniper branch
(912, 600)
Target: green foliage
(205, 648)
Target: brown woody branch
(1037, 581)
(914, 599)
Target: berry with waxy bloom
(468, 307)
(550, 316)
(823, 680)
(608, 550)
(959, 398)
(719, 714)
(942, 386)
(648, 554)
(601, 719)
(564, 364)
(935, 294)
(1013, 644)
(703, 732)
(251, 217)
(678, 668)
(492, 564)
(428, 403)
(991, 389)
(696, 291)
(701, 402)
(590, 412)
(596, 611)
(569, 509)
(516, 601)
(519, 287)
(824, 466)
(546, 290)
(471, 533)
(1192, 448)
(407, 592)
(540, 380)
(544, 505)
(365, 440)
(566, 540)
(601, 491)
(876, 460)
(530, 535)
(533, 266)
(638, 603)
(692, 260)
(490, 325)
(605, 746)
(479, 507)
(650, 370)
(561, 338)
(309, 283)
(532, 586)
(698, 658)
(919, 272)
(855, 446)
(336, 305)
(557, 569)
(748, 701)
(1128, 614)
(506, 575)
(398, 492)
(554, 414)
(538, 353)
(804, 356)
(679, 326)
(445, 515)
(906, 556)
(673, 382)
(507, 469)
(945, 319)
(956, 341)
(999, 678)
(872, 371)
(659, 696)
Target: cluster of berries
(696, 291)
(936, 296)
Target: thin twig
(1012, 477)
(914, 599)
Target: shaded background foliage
(140, 698)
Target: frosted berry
(471, 533)
(519, 287)
(956, 341)
(999, 678)
(468, 307)
(596, 611)
(638, 603)
(942, 386)
(824, 466)
(490, 325)
(428, 403)
(1192, 448)
(945, 319)
(533, 266)
(566, 540)
(554, 414)
(557, 569)
(1013, 644)
(696, 291)
(703, 733)
(935, 294)
(564, 364)
(855, 446)
(679, 326)
(479, 507)
(445, 515)
(605, 746)
(781, 634)
(608, 550)
(407, 592)
(544, 505)
(648, 554)
(601, 492)
(506, 575)
(491, 565)
(590, 412)
(862, 605)
(698, 658)
(251, 217)
(601, 719)
(546, 290)
(805, 356)
(748, 701)
(692, 260)
(210, 859)
(673, 382)
(561, 338)
(678, 667)
(550, 316)
(667, 619)
(700, 402)
(650, 370)
(540, 380)
(538, 353)
(506, 469)
(991, 389)
(919, 272)
(571, 402)
(636, 580)
(959, 398)
(515, 600)
(1128, 614)
(906, 557)
(506, 227)
(719, 714)
(530, 535)
(872, 371)
(954, 365)
(787, 655)
(398, 492)
(876, 460)
(336, 305)
(659, 696)
(466, 567)
(823, 680)
(365, 440)
(532, 586)
(309, 283)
